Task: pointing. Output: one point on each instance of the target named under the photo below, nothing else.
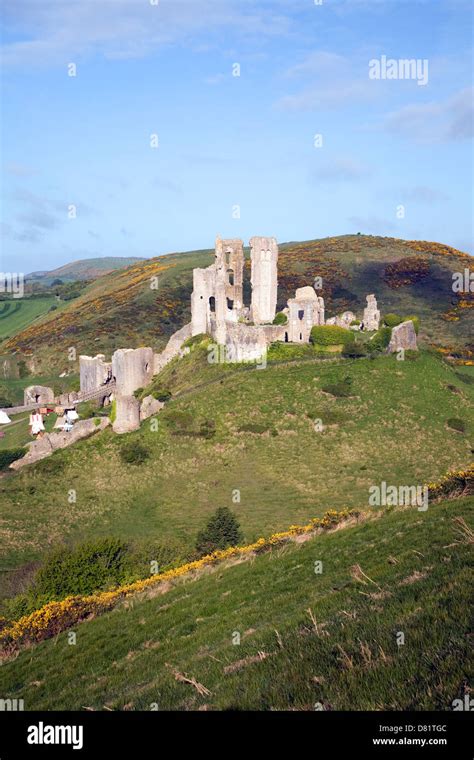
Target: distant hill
(84, 269)
(121, 309)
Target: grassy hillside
(17, 314)
(394, 428)
(385, 626)
(121, 309)
(84, 269)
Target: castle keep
(218, 310)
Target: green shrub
(138, 392)
(161, 394)
(331, 335)
(456, 424)
(280, 319)
(341, 389)
(221, 531)
(354, 350)
(392, 320)
(134, 453)
(380, 340)
(355, 322)
(87, 568)
(195, 340)
(7, 456)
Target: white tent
(4, 418)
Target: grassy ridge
(273, 634)
(120, 309)
(393, 428)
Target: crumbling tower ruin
(264, 279)
(371, 318)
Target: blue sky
(145, 67)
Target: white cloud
(436, 121)
(52, 32)
(341, 170)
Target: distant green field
(272, 634)
(16, 314)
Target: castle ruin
(218, 310)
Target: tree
(221, 531)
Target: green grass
(392, 428)
(306, 638)
(17, 314)
(17, 434)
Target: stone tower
(264, 279)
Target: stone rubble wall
(46, 395)
(50, 442)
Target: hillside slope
(384, 626)
(83, 269)
(123, 309)
(393, 428)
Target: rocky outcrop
(149, 407)
(403, 336)
(50, 442)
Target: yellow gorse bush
(55, 617)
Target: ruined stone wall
(245, 342)
(93, 371)
(173, 348)
(264, 278)
(38, 394)
(132, 368)
(304, 311)
(230, 260)
(204, 288)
